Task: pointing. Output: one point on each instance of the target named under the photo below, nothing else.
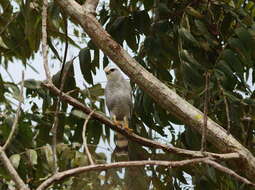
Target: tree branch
(75, 171)
(3, 157)
(15, 123)
(226, 105)
(161, 94)
(11, 170)
(44, 40)
(48, 76)
(132, 136)
(171, 164)
(85, 140)
(54, 130)
(228, 171)
(142, 141)
(206, 101)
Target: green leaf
(245, 37)
(231, 58)
(85, 64)
(237, 45)
(32, 156)
(142, 21)
(131, 36)
(201, 26)
(225, 68)
(15, 160)
(14, 89)
(79, 160)
(163, 8)
(187, 36)
(231, 96)
(48, 154)
(32, 84)
(79, 114)
(54, 50)
(96, 60)
(193, 12)
(62, 36)
(117, 28)
(68, 72)
(94, 92)
(105, 61)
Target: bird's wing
(129, 96)
(109, 98)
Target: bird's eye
(110, 71)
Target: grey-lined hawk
(119, 102)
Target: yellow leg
(115, 121)
(125, 125)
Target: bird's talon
(128, 130)
(116, 122)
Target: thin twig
(229, 172)
(47, 72)
(155, 11)
(247, 118)
(72, 172)
(15, 123)
(226, 106)
(85, 140)
(66, 38)
(44, 40)
(88, 92)
(206, 100)
(54, 140)
(72, 91)
(249, 129)
(132, 136)
(11, 171)
(56, 119)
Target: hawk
(119, 103)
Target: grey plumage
(118, 101)
(118, 95)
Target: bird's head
(112, 73)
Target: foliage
(177, 41)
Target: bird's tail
(121, 149)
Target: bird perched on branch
(119, 103)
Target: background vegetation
(180, 42)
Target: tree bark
(161, 94)
(71, 172)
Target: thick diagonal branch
(90, 5)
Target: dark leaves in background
(85, 65)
